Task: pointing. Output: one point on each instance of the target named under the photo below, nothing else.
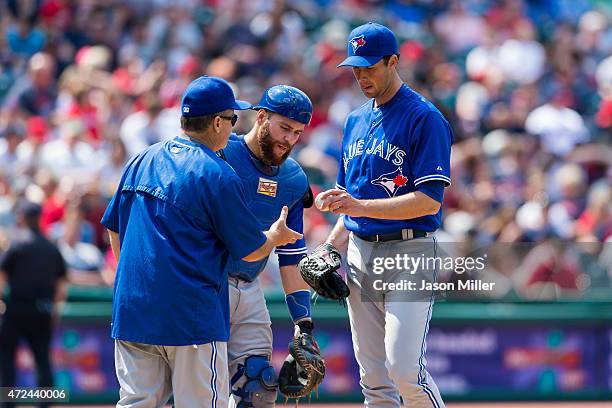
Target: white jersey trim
(291, 251)
(432, 177)
(181, 143)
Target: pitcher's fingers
(330, 192)
(334, 200)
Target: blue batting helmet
(287, 101)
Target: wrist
(298, 304)
(363, 207)
(273, 237)
(306, 326)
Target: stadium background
(526, 85)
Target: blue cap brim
(241, 105)
(359, 61)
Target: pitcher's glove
(319, 270)
(304, 368)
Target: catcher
(270, 181)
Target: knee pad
(259, 389)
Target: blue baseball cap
(287, 101)
(207, 95)
(367, 44)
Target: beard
(267, 145)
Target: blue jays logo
(391, 182)
(357, 42)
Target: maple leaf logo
(400, 180)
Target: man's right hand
(280, 233)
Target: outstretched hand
(281, 234)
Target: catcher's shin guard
(260, 388)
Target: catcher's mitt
(303, 369)
(319, 270)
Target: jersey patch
(391, 182)
(267, 187)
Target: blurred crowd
(526, 85)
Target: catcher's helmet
(287, 101)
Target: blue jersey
(390, 150)
(266, 195)
(180, 213)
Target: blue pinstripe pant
(389, 337)
(149, 374)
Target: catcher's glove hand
(319, 270)
(304, 368)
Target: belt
(403, 235)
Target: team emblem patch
(357, 42)
(267, 187)
(391, 182)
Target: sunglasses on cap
(233, 118)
